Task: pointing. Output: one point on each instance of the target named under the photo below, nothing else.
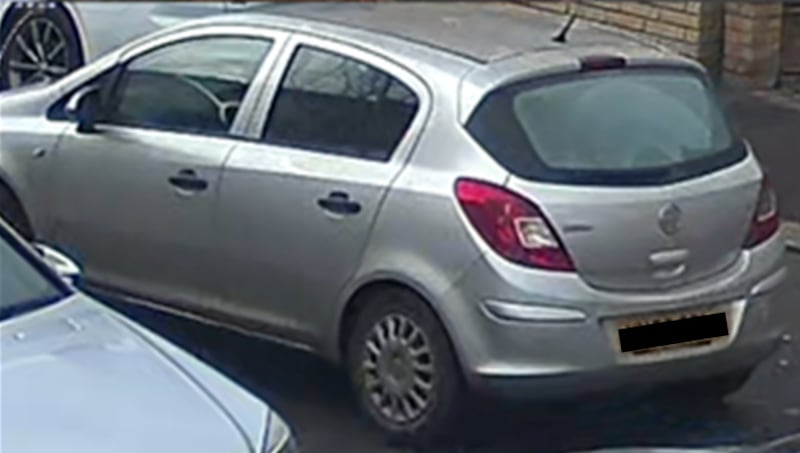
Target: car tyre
(12, 212)
(57, 53)
(403, 369)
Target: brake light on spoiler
(601, 62)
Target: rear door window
(334, 104)
(633, 126)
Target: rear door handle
(188, 180)
(339, 203)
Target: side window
(334, 104)
(192, 86)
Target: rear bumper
(577, 353)
(633, 379)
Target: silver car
(77, 376)
(438, 197)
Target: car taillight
(765, 221)
(513, 226)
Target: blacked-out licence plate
(671, 331)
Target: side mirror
(64, 266)
(82, 108)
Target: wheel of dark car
(13, 213)
(40, 45)
(403, 369)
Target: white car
(78, 377)
(42, 40)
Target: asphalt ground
(314, 397)
(772, 126)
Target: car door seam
(261, 106)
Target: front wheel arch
(9, 197)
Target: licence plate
(644, 335)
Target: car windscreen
(642, 126)
(24, 284)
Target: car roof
(482, 32)
(478, 45)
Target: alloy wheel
(398, 369)
(38, 52)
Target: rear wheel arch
(440, 403)
(366, 294)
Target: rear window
(620, 127)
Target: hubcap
(38, 53)
(398, 369)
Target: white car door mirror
(82, 108)
(64, 266)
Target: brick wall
(753, 35)
(755, 42)
(790, 45)
(691, 28)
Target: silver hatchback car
(438, 196)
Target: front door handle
(339, 203)
(187, 180)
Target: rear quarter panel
(419, 238)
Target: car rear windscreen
(643, 126)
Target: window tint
(338, 105)
(192, 86)
(613, 127)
